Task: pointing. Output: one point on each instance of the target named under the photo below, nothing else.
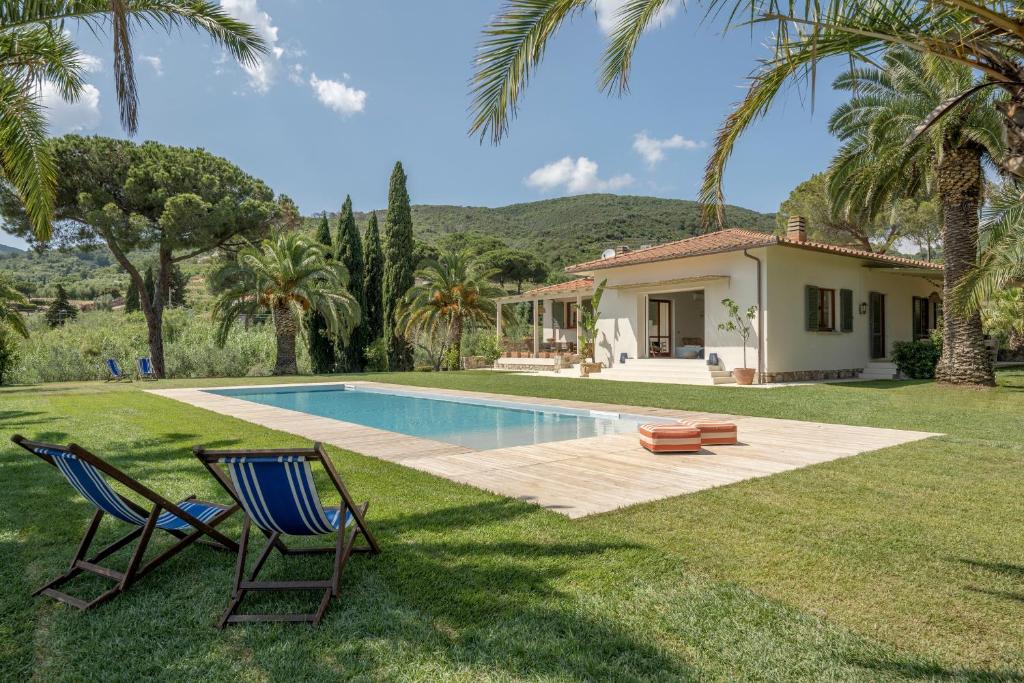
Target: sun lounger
(187, 521)
(279, 497)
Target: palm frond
(512, 46)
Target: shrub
(78, 349)
(916, 359)
(482, 342)
(377, 356)
(8, 353)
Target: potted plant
(587, 324)
(740, 324)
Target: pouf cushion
(713, 432)
(669, 438)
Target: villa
(824, 311)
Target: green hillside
(559, 231)
(572, 229)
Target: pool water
(470, 422)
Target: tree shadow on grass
(923, 670)
(19, 419)
(1014, 570)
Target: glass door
(659, 328)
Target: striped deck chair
(278, 495)
(145, 368)
(187, 521)
(116, 374)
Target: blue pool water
(473, 423)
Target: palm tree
(288, 276)
(35, 50)
(452, 292)
(876, 168)
(987, 38)
(1000, 265)
(9, 315)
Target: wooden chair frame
(136, 569)
(343, 547)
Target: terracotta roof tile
(571, 286)
(733, 239)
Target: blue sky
(352, 87)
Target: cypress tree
(131, 299)
(373, 283)
(350, 255)
(177, 285)
(322, 355)
(61, 310)
(398, 268)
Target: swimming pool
(471, 422)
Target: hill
(7, 249)
(571, 229)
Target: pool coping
(576, 477)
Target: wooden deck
(582, 476)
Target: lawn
(904, 563)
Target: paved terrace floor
(582, 476)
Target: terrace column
(536, 339)
(497, 320)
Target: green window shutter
(811, 307)
(846, 310)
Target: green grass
(904, 563)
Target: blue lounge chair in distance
(277, 493)
(116, 374)
(145, 368)
(187, 521)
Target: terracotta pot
(743, 376)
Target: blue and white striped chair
(188, 520)
(116, 373)
(278, 495)
(145, 368)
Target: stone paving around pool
(578, 477)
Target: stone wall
(810, 375)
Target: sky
(351, 87)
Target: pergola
(564, 291)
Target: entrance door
(659, 327)
(876, 324)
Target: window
(922, 318)
(570, 315)
(826, 310)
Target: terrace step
(879, 370)
(667, 371)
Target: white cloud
(156, 63)
(263, 73)
(653, 149)
(71, 117)
(576, 176)
(608, 13)
(338, 96)
(90, 63)
(295, 74)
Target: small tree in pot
(740, 324)
(589, 316)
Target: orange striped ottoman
(669, 438)
(713, 433)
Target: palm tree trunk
(285, 328)
(965, 358)
(455, 345)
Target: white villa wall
(621, 328)
(790, 347)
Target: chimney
(796, 229)
(621, 249)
